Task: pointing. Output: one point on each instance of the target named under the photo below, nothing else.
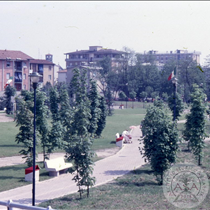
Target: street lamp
(34, 79)
(174, 81)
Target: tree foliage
(160, 140)
(78, 139)
(57, 131)
(9, 92)
(42, 125)
(94, 108)
(102, 119)
(195, 125)
(176, 102)
(25, 135)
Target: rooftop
(41, 61)
(13, 55)
(97, 50)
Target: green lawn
(136, 190)
(14, 176)
(120, 121)
(117, 123)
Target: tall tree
(65, 108)
(195, 125)
(78, 140)
(103, 113)
(42, 122)
(189, 73)
(94, 108)
(57, 131)
(25, 135)
(160, 140)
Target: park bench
(57, 166)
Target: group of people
(125, 136)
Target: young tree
(65, 111)
(103, 113)
(179, 105)
(41, 121)
(195, 125)
(78, 140)
(57, 131)
(25, 135)
(160, 140)
(9, 92)
(109, 101)
(94, 108)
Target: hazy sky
(37, 28)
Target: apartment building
(14, 66)
(164, 57)
(44, 68)
(15, 69)
(88, 58)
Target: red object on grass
(30, 170)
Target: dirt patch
(103, 153)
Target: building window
(70, 64)
(49, 77)
(76, 63)
(24, 87)
(8, 63)
(40, 68)
(8, 75)
(50, 68)
(24, 76)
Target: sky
(57, 27)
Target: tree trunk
(199, 160)
(88, 190)
(43, 155)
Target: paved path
(4, 118)
(105, 170)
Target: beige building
(88, 59)
(164, 57)
(44, 68)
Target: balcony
(18, 80)
(18, 77)
(77, 59)
(18, 68)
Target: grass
(120, 121)
(14, 176)
(136, 190)
(117, 123)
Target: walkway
(105, 170)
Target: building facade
(164, 57)
(44, 68)
(62, 76)
(89, 58)
(15, 68)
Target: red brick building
(15, 66)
